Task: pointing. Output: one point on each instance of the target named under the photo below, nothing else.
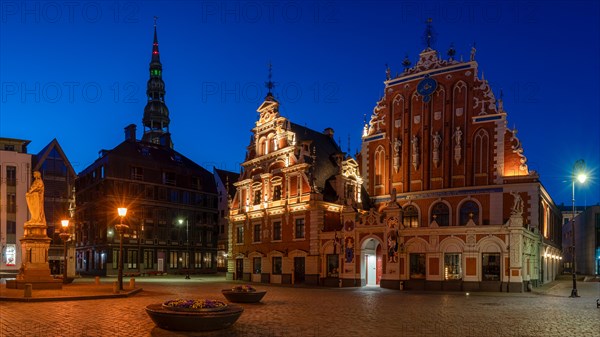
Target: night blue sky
(77, 71)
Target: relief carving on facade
(415, 151)
(377, 122)
(397, 148)
(488, 101)
(392, 239)
(457, 147)
(515, 250)
(518, 149)
(437, 140)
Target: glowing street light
(187, 244)
(579, 175)
(64, 235)
(121, 227)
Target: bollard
(132, 283)
(97, 280)
(115, 287)
(27, 290)
(401, 285)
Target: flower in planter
(194, 304)
(246, 288)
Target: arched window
(469, 210)
(262, 146)
(379, 165)
(410, 217)
(481, 158)
(441, 214)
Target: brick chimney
(130, 132)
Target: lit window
(411, 216)
(452, 267)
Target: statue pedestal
(34, 261)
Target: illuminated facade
(457, 207)
(294, 188)
(439, 198)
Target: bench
(132, 274)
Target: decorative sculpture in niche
(457, 148)
(415, 151)
(397, 147)
(437, 140)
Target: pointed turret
(156, 114)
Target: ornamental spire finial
(270, 84)
(429, 38)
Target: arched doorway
(371, 262)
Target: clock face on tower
(426, 87)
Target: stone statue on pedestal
(35, 243)
(35, 200)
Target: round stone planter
(193, 320)
(243, 296)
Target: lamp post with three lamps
(579, 175)
(121, 227)
(187, 247)
(64, 236)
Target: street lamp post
(187, 248)
(579, 175)
(121, 227)
(64, 235)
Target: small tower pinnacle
(270, 84)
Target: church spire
(156, 115)
(155, 53)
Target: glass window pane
(490, 266)
(452, 267)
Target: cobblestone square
(317, 312)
